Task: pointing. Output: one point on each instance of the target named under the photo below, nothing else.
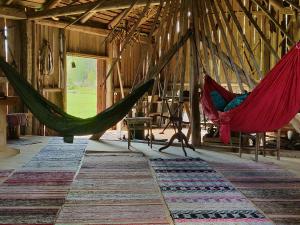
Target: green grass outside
(81, 87)
(82, 102)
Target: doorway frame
(100, 75)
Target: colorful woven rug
(198, 195)
(274, 190)
(23, 141)
(114, 189)
(35, 193)
(4, 174)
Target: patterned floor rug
(118, 189)
(4, 174)
(23, 141)
(35, 193)
(198, 195)
(274, 190)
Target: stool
(139, 123)
(15, 121)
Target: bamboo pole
(208, 35)
(155, 51)
(197, 40)
(164, 42)
(203, 40)
(278, 25)
(149, 41)
(119, 73)
(260, 32)
(96, 5)
(128, 38)
(184, 28)
(293, 4)
(152, 73)
(114, 24)
(83, 7)
(240, 30)
(195, 119)
(216, 40)
(223, 34)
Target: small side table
(3, 125)
(139, 123)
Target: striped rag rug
(272, 189)
(198, 195)
(114, 189)
(35, 193)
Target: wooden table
(139, 123)
(4, 149)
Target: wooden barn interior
(148, 112)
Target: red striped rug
(117, 189)
(272, 189)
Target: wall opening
(81, 86)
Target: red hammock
(271, 105)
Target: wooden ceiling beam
(50, 4)
(277, 3)
(12, 13)
(82, 8)
(78, 28)
(81, 28)
(8, 2)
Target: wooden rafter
(216, 40)
(277, 3)
(269, 15)
(79, 28)
(82, 8)
(86, 15)
(243, 36)
(12, 13)
(118, 18)
(50, 4)
(8, 2)
(293, 4)
(222, 29)
(128, 38)
(260, 32)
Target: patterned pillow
(218, 101)
(236, 102)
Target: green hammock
(66, 125)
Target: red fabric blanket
(271, 105)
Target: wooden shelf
(10, 100)
(51, 90)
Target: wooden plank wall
(85, 43)
(130, 60)
(2, 52)
(263, 56)
(14, 55)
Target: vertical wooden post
(109, 81)
(26, 60)
(297, 27)
(194, 95)
(63, 66)
(240, 143)
(278, 144)
(109, 86)
(257, 146)
(35, 70)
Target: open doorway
(81, 86)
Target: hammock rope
(273, 103)
(67, 125)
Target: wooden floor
(277, 190)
